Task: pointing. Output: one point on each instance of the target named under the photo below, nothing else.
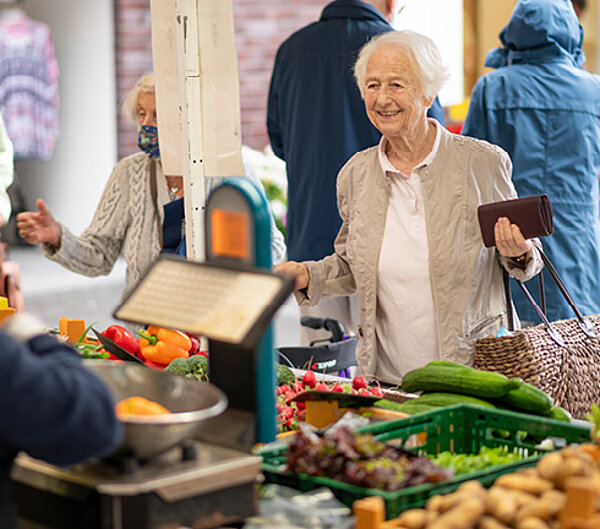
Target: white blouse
(406, 326)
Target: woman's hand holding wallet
(510, 224)
(509, 239)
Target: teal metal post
(259, 214)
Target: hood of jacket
(539, 31)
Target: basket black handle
(584, 323)
(552, 332)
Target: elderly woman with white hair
(410, 242)
(129, 217)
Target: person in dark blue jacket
(52, 407)
(544, 110)
(316, 121)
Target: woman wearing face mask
(129, 218)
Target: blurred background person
(316, 122)
(6, 173)
(541, 107)
(10, 271)
(129, 219)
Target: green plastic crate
(461, 429)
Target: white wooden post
(197, 90)
(197, 94)
(191, 126)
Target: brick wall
(260, 25)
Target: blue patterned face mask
(148, 140)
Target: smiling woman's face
(393, 96)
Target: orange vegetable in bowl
(139, 406)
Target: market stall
(210, 439)
(463, 445)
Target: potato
(447, 501)
(522, 498)
(555, 496)
(568, 451)
(549, 466)
(434, 504)
(501, 504)
(544, 509)
(525, 483)
(531, 523)
(592, 449)
(577, 451)
(489, 522)
(529, 471)
(571, 467)
(473, 487)
(462, 516)
(413, 519)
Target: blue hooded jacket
(544, 110)
(316, 119)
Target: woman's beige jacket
(466, 278)
(125, 224)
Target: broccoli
(198, 366)
(179, 366)
(195, 366)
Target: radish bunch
(290, 413)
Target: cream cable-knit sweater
(125, 224)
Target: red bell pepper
(123, 338)
(195, 343)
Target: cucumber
(410, 406)
(528, 398)
(560, 414)
(447, 364)
(449, 399)
(439, 378)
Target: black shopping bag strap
(584, 323)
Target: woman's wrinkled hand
(509, 239)
(297, 270)
(39, 226)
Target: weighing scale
(210, 480)
(200, 486)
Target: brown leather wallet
(532, 214)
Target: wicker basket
(570, 374)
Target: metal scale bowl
(161, 475)
(189, 401)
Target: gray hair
(145, 84)
(422, 52)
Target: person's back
(544, 110)
(54, 409)
(316, 119)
